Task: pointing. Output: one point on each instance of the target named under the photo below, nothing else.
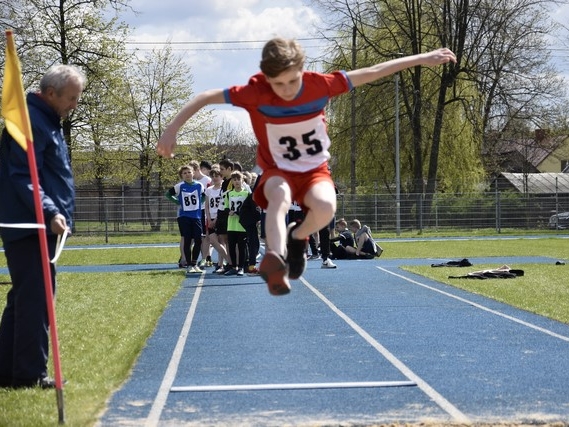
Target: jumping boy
(286, 107)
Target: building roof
(535, 152)
(539, 183)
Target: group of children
(212, 213)
(217, 211)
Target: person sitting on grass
(365, 246)
(343, 240)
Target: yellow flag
(14, 107)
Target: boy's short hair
(342, 222)
(205, 164)
(237, 174)
(214, 172)
(194, 165)
(355, 223)
(226, 163)
(183, 168)
(279, 55)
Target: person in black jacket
(343, 240)
(24, 324)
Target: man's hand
(58, 224)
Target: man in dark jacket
(24, 325)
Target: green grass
(544, 288)
(104, 319)
(550, 247)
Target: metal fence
(414, 212)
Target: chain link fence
(382, 212)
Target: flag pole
(43, 241)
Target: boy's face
(216, 179)
(287, 84)
(237, 183)
(187, 175)
(340, 227)
(225, 172)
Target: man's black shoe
(47, 382)
(44, 382)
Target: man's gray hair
(59, 76)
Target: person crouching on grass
(286, 106)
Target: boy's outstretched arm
(369, 74)
(167, 142)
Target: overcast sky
(242, 26)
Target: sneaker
(273, 270)
(252, 271)
(202, 264)
(313, 257)
(296, 253)
(182, 264)
(209, 264)
(240, 272)
(230, 272)
(327, 263)
(193, 270)
(220, 270)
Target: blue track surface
(366, 343)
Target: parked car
(559, 221)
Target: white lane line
(170, 375)
(479, 306)
(294, 386)
(444, 404)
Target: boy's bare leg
(321, 203)
(273, 268)
(278, 194)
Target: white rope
(22, 225)
(60, 243)
(60, 237)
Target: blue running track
(367, 343)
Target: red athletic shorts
(299, 183)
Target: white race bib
(300, 146)
(190, 201)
